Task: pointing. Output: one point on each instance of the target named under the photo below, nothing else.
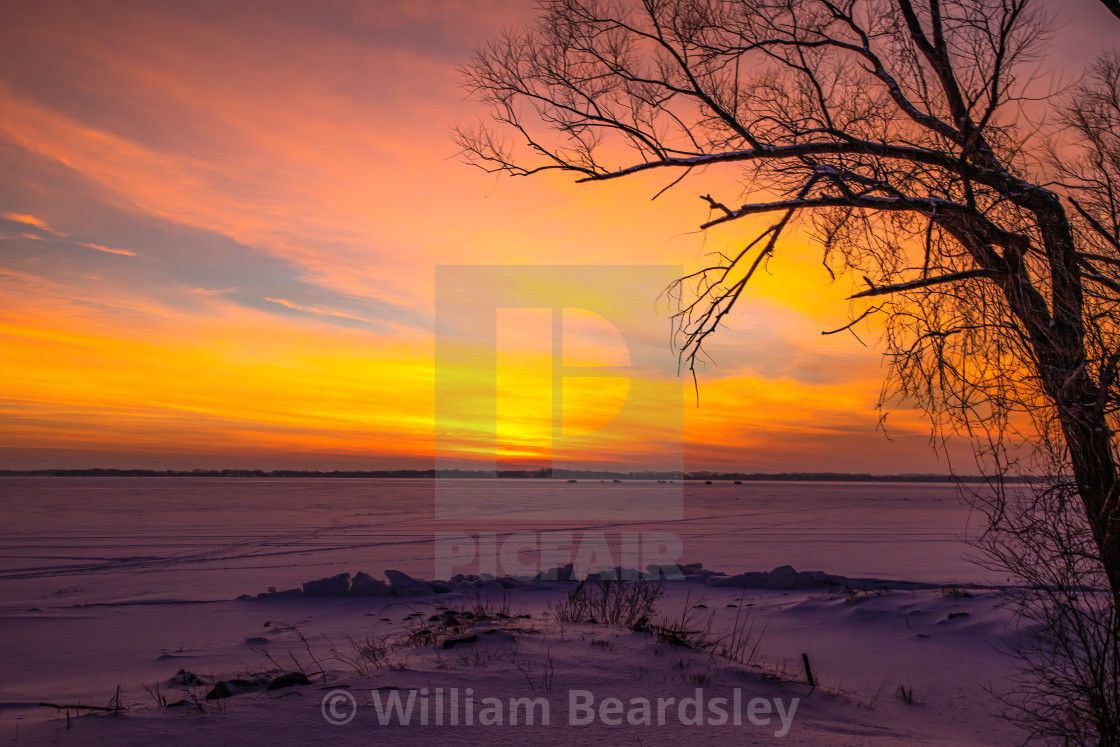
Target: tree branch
(952, 277)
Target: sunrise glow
(219, 230)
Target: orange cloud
(107, 249)
(29, 220)
(323, 144)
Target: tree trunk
(1058, 338)
(1089, 441)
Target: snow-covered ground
(134, 583)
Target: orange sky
(220, 224)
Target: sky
(221, 225)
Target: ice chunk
(272, 593)
(783, 577)
(751, 580)
(365, 585)
(404, 585)
(559, 573)
(334, 586)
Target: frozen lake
(108, 582)
(103, 540)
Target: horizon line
(537, 473)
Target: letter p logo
(561, 367)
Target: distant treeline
(514, 474)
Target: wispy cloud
(30, 220)
(42, 225)
(108, 249)
(313, 310)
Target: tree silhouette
(896, 133)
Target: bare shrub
(609, 602)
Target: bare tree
(894, 132)
(1067, 686)
(898, 134)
